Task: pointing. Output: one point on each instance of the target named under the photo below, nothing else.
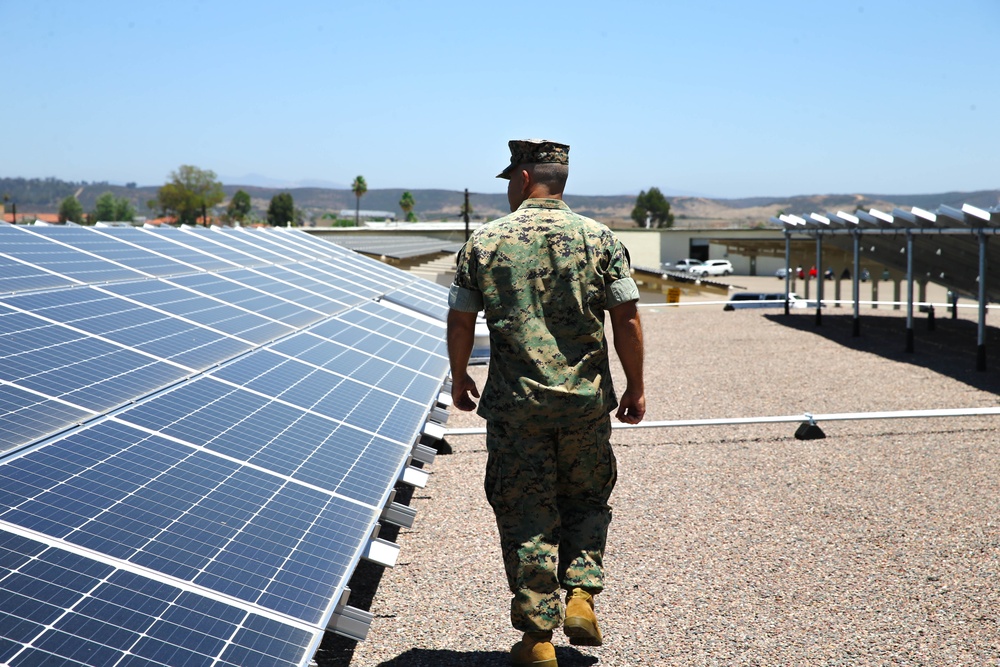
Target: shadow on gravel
(949, 348)
(422, 657)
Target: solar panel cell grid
(158, 520)
(240, 242)
(26, 417)
(307, 291)
(194, 525)
(278, 244)
(61, 608)
(261, 280)
(33, 248)
(170, 242)
(206, 311)
(226, 288)
(422, 300)
(201, 240)
(16, 276)
(131, 325)
(300, 239)
(114, 250)
(339, 278)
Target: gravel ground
(879, 545)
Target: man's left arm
(627, 330)
(622, 299)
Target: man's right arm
(627, 330)
(461, 337)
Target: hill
(44, 195)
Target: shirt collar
(543, 203)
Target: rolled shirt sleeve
(621, 291)
(619, 287)
(465, 295)
(466, 300)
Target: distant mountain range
(44, 196)
(260, 181)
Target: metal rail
(805, 417)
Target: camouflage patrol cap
(534, 151)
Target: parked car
(766, 300)
(685, 265)
(713, 267)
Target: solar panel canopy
(199, 431)
(946, 241)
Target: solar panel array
(395, 246)
(946, 240)
(199, 430)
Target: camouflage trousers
(549, 488)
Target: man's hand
(631, 408)
(460, 390)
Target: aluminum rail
(783, 419)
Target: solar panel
(268, 243)
(170, 242)
(231, 287)
(132, 325)
(395, 245)
(200, 240)
(230, 241)
(431, 300)
(113, 249)
(80, 267)
(198, 439)
(87, 372)
(210, 312)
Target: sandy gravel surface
(879, 545)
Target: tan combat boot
(581, 622)
(535, 649)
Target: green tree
(359, 188)
(239, 206)
(652, 209)
(281, 210)
(124, 209)
(109, 208)
(406, 203)
(71, 210)
(190, 192)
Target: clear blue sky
(727, 98)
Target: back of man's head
(550, 175)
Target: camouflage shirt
(544, 276)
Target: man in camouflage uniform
(545, 277)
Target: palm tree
(359, 187)
(406, 203)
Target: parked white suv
(687, 265)
(713, 267)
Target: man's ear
(526, 183)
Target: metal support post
(788, 267)
(819, 279)
(909, 291)
(981, 347)
(856, 284)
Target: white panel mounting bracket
(350, 622)
(414, 477)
